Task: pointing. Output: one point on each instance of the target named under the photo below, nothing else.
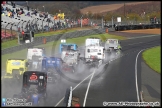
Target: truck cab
(51, 62)
(34, 87)
(35, 56)
(15, 67)
(112, 45)
(67, 46)
(93, 41)
(94, 53)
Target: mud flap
(49, 79)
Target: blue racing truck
(67, 46)
(52, 66)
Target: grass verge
(152, 58)
(53, 47)
(10, 43)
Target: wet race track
(114, 81)
(56, 91)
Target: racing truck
(94, 55)
(70, 60)
(112, 45)
(70, 56)
(93, 41)
(34, 88)
(15, 68)
(52, 66)
(67, 46)
(34, 57)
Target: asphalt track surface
(113, 81)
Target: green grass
(54, 33)
(53, 46)
(10, 43)
(152, 58)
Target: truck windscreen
(67, 47)
(16, 63)
(113, 41)
(93, 50)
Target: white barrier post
(70, 98)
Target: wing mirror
(27, 64)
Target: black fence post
(27, 25)
(5, 29)
(42, 25)
(48, 26)
(32, 21)
(11, 29)
(36, 26)
(22, 25)
(18, 25)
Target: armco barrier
(39, 40)
(136, 27)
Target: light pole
(127, 20)
(81, 21)
(112, 21)
(27, 3)
(124, 11)
(102, 21)
(44, 8)
(148, 18)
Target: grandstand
(24, 22)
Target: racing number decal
(33, 77)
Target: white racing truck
(34, 57)
(112, 45)
(94, 52)
(93, 41)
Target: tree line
(139, 12)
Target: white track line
(136, 71)
(73, 89)
(85, 98)
(142, 37)
(136, 75)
